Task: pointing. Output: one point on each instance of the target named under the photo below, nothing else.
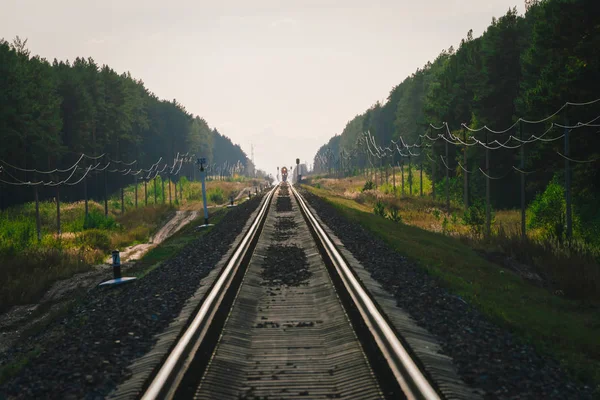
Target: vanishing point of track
(288, 318)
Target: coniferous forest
(523, 66)
(52, 112)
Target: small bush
(216, 195)
(379, 209)
(474, 218)
(369, 185)
(394, 215)
(96, 220)
(94, 239)
(548, 212)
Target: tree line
(522, 66)
(51, 113)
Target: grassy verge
(28, 267)
(566, 329)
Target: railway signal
(201, 162)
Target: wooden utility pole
(488, 216)
(421, 174)
(466, 175)
(135, 182)
(402, 174)
(409, 175)
(523, 225)
(58, 210)
(155, 194)
(569, 216)
(105, 193)
(85, 196)
(38, 223)
(447, 165)
(433, 172)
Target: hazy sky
(283, 75)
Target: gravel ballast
(487, 356)
(85, 354)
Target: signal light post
(200, 163)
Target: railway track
(287, 318)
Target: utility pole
(488, 217)
(421, 174)
(568, 185)
(38, 222)
(447, 179)
(409, 175)
(523, 232)
(135, 182)
(433, 172)
(58, 210)
(155, 190)
(466, 175)
(105, 193)
(85, 196)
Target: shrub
(394, 215)
(369, 185)
(96, 220)
(95, 239)
(474, 218)
(216, 195)
(548, 211)
(379, 209)
(387, 188)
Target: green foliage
(67, 108)
(394, 215)
(369, 185)
(474, 218)
(379, 209)
(94, 239)
(454, 218)
(16, 234)
(437, 213)
(96, 220)
(521, 66)
(215, 195)
(548, 211)
(445, 225)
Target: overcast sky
(283, 75)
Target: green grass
(28, 267)
(567, 329)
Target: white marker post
(201, 162)
(117, 278)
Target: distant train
(284, 174)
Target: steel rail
(165, 383)
(408, 375)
